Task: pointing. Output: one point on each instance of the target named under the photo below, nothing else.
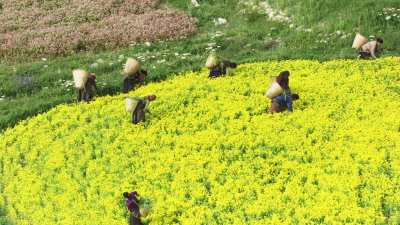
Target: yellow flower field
(210, 154)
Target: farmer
(132, 204)
(133, 75)
(140, 106)
(284, 100)
(370, 49)
(218, 68)
(86, 84)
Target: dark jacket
(284, 100)
(87, 93)
(220, 69)
(131, 81)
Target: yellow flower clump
(210, 154)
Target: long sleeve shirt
(285, 100)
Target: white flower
(388, 17)
(44, 59)
(94, 65)
(220, 21)
(195, 3)
(147, 43)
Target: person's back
(132, 80)
(132, 204)
(370, 49)
(88, 92)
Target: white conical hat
(131, 66)
(80, 78)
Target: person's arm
(289, 102)
(94, 85)
(144, 72)
(373, 49)
(146, 106)
(230, 64)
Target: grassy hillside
(312, 29)
(210, 154)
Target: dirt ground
(61, 27)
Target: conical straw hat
(131, 67)
(274, 90)
(80, 78)
(359, 41)
(212, 61)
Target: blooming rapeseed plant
(210, 154)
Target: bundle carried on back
(359, 41)
(130, 104)
(212, 61)
(144, 212)
(274, 89)
(131, 67)
(80, 78)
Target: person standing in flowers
(218, 68)
(139, 106)
(133, 75)
(86, 85)
(370, 49)
(132, 204)
(282, 98)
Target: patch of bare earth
(60, 27)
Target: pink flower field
(61, 27)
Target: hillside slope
(282, 29)
(209, 154)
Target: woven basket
(144, 212)
(130, 104)
(359, 41)
(211, 61)
(80, 78)
(131, 67)
(274, 90)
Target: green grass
(244, 40)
